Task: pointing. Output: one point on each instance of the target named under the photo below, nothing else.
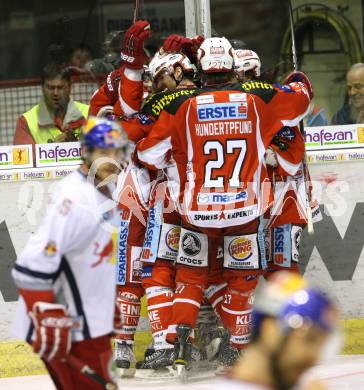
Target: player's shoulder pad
(262, 89)
(169, 101)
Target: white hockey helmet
(168, 61)
(245, 60)
(215, 55)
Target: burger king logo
(172, 238)
(240, 248)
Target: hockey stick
(136, 10)
(302, 130)
(89, 372)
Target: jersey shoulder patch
(262, 89)
(170, 101)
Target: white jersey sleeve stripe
(129, 111)
(295, 122)
(133, 74)
(290, 168)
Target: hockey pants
(230, 288)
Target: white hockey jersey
(71, 253)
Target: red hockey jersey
(123, 90)
(218, 139)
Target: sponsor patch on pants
(193, 249)
(241, 252)
(296, 238)
(281, 244)
(169, 242)
(135, 265)
(151, 240)
(121, 256)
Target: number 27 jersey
(218, 140)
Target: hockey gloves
(271, 157)
(301, 77)
(177, 43)
(52, 330)
(132, 51)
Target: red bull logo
(172, 239)
(50, 249)
(103, 254)
(240, 248)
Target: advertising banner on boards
(58, 154)
(16, 156)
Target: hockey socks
(159, 302)
(186, 305)
(127, 312)
(236, 309)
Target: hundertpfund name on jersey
(223, 128)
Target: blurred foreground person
(65, 275)
(295, 326)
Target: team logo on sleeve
(191, 245)
(50, 249)
(144, 119)
(172, 238)
(287, 133)
(240, 248)
(284, 88)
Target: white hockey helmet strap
(215, 55)
(245, 60)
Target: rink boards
(333, 258)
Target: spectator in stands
(57, 118)
(111, 54)
(353, 111)
(80, 56)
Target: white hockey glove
(271, 157)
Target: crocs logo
(191, 244)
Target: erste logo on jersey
(222, 111)
(240, 248)
(172, 239)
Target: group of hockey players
(210, 196)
